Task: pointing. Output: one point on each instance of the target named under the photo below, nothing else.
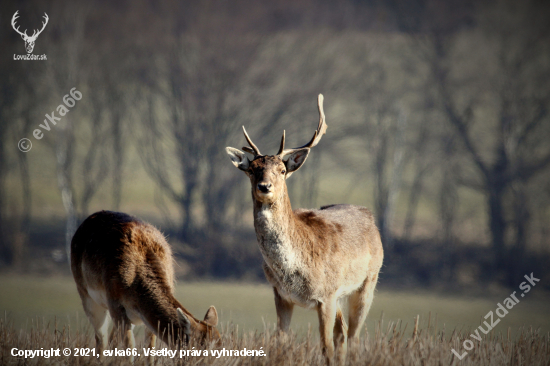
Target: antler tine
(248, 150)
(319, 132)
(43, 24)
(13, 20)
(256, 151)
(282, 147)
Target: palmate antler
(321, 130)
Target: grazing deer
(312, 257)
(124, 266)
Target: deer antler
(254, 151)
(13, 19)
(35, 35)
(321, 130)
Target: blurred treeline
(438, 115)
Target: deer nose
(264, 187)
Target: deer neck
(275, 230)
(164, 317)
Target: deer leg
(122, 327)
(327, 317)
(150, 339)
(284, 312)
(340, 337)
(359, 306)
(97, 315)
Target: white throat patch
(275, 244)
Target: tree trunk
(118, 157)
(186, 209)
(64, 153)
(447, 208)
(5, 252)
(497, 225)
(416, 192)
(521, 223)
(381, 191)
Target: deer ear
(295, 160)
(211, 317)
(238, 158)
(184, 322)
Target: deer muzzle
(265, 188)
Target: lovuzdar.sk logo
(29, 40)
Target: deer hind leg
(284, 312)
(327, 317)
(359, 306)
(122, 328)
(340, 337)
(97, 315)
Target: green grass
(23, 299)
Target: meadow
(45, 312)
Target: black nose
(264, 187)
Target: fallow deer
(312, 258)
(124, 267)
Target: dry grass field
(45, 313)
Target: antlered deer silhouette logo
(29, 41)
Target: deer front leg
(150, 339)
(327, 316)
(284, 312)
(340, 337)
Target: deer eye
(283, 171)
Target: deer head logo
(29, 41)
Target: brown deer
(124, 266)
(312, 258)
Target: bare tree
(204, 68)
(448, 202)
(63, 77)
(510, 84)
(16, 116)
(8, 95)
(422, 165)
(22, 225)
(80, 167)
(95, 162)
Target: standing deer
(312, 258)
(124, 266)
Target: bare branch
(526, 171)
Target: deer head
(29, 40)
(204, 331)
(268, 173)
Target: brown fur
(130, 262)
(313, 257)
